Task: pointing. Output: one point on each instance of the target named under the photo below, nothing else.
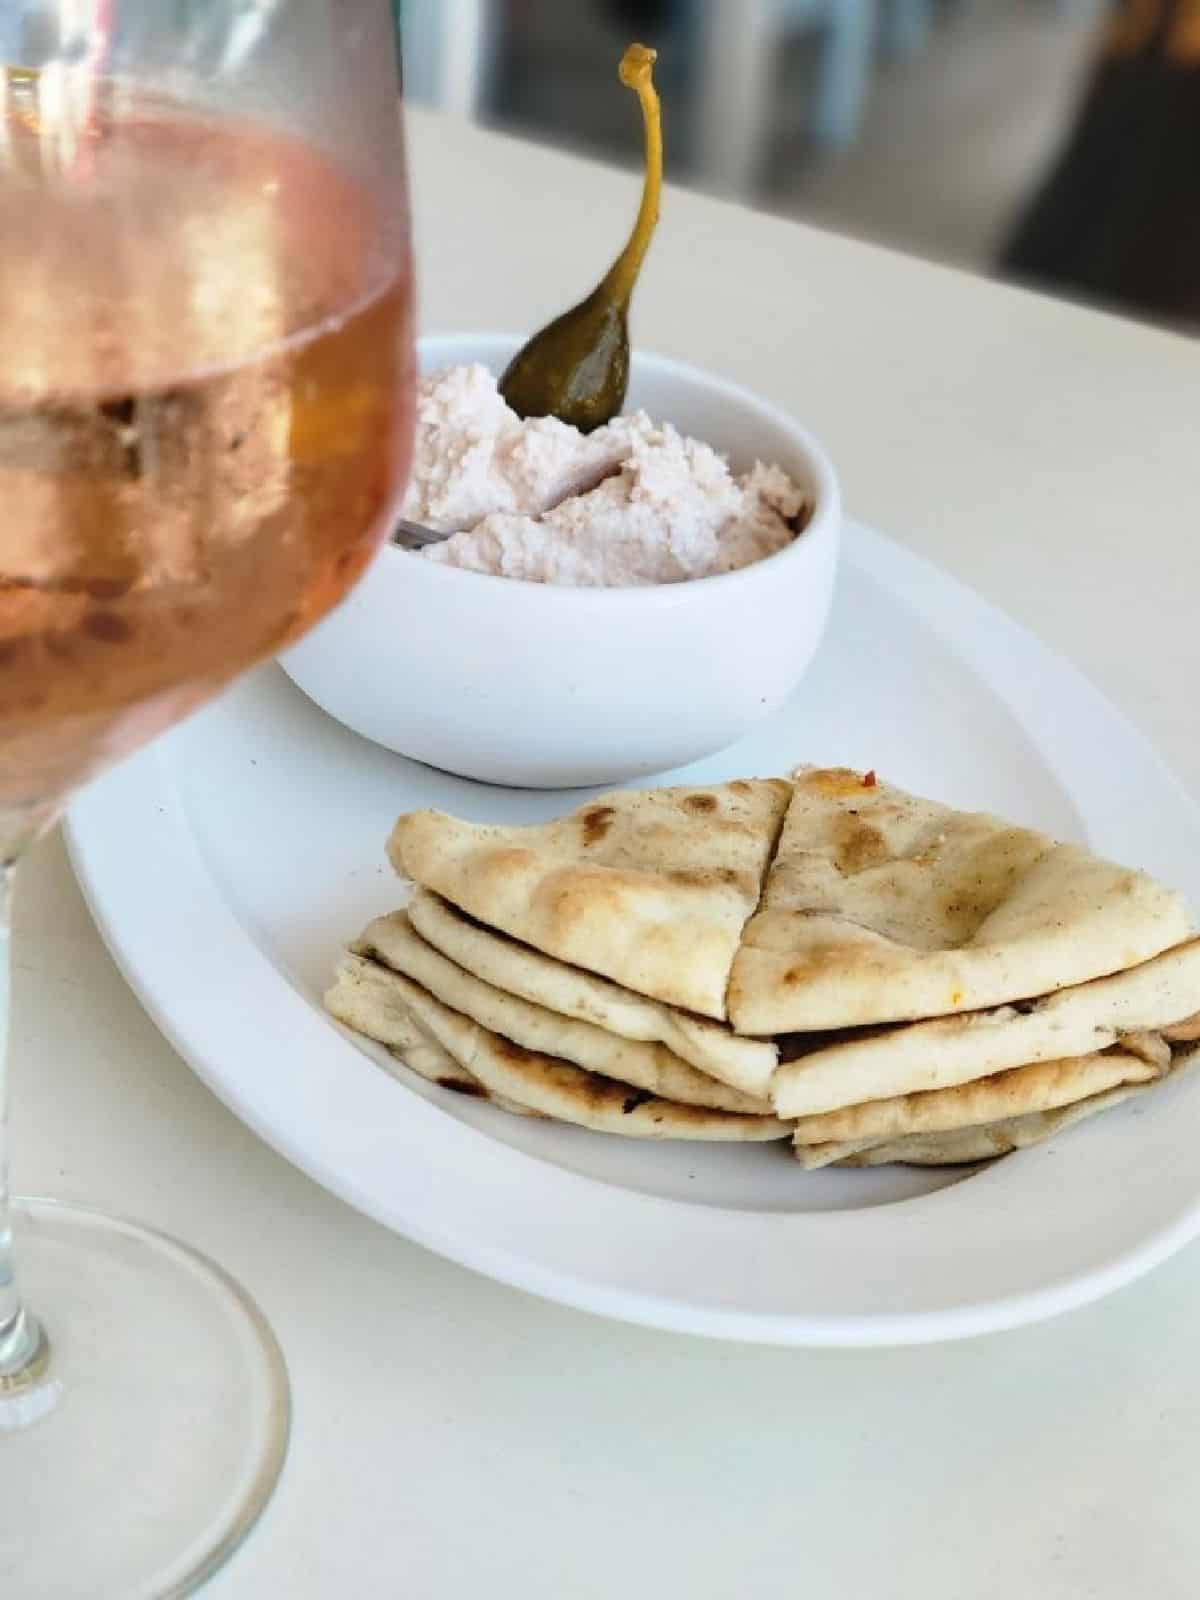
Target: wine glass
(206, 391)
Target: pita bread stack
(516, 952)
(827, 959)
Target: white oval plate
(227, 865)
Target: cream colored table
(457, 1439)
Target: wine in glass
(206, 392)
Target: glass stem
(22, 1343)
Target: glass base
(152, 1440)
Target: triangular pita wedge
(651, 889)
(1042, 1087)
(362, 999)
(425, 1057)
(555, 1088)
(962, 1145)
(882, 907)
(710, 1047)
(393, 941)
(921, 1056)
(983, 1143)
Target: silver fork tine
(413, 536)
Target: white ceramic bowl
(538, 686)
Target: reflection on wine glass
(205, 410)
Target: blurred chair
(448, 49)
(738, 43)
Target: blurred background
(1054, 142)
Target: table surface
(453, 1437)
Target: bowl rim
(822, 527)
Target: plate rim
(954, 613)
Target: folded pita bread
(651, 889)
(710, 1047)
(1151, 1047)
(961, 1146)
(985, 1142)
(394, 942)
(1184, 1032)
(554, 1088)
(922, 1056)
(882, 907)
(362, 999)
(1041, 1087)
